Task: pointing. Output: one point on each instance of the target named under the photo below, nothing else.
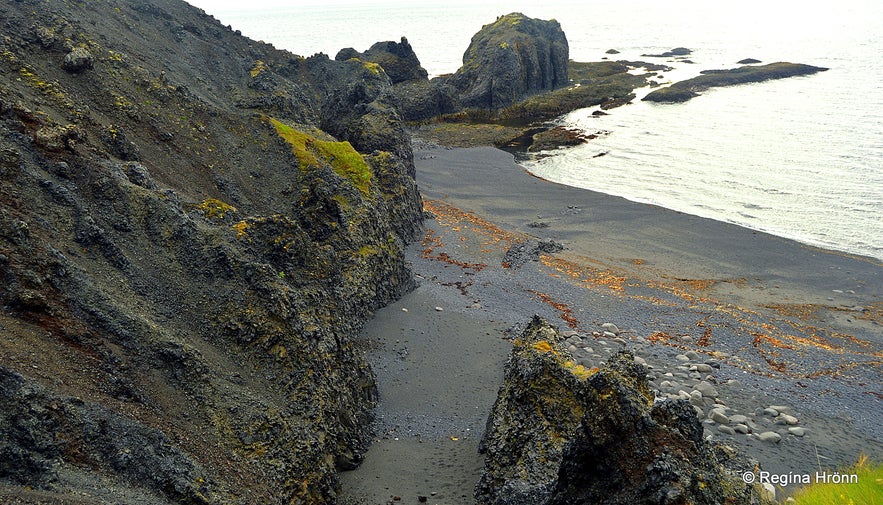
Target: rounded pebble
(726, 429)
(769, 436)
(797, 431)
(719, 417)
(610, 327)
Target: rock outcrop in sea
(511, 58)
(507, 61)
(193, 228)
(685, 90)
(561, 433)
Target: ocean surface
(800, 158)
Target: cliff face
(186, 255)
(560, 433)
(511, 58)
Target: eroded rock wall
(560, 433)
(186, 256)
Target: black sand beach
(765, 321)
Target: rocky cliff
(511, 58)
(193, 227)
(508, 60)
(560, 433)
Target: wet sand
(782, 323)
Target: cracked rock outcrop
(560, 433)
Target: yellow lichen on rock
(343, 159)
(214, 208)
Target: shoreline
(766, 320)
(828, 249)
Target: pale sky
(211, 6)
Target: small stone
(707, 389)
(693, 355)
(78, 59)
(786, 419)
(422, 499)
(738, 419)
(719, 417)
(770, 492)
(620, 341)
(769, 436)
(439, 309)
(404, 309)
(780, 408)
(686, 338)
(696, 399)
(741, 428)
(682, 358)
(612, 328)
(770, 412)
(726, 429)
(797, 431)
(665, 384)
(702, 367)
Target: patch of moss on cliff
(343, 159)
(214, 208)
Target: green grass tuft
(868, 490)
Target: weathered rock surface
(690, 88)
(397, 59)
(185, 256)
(560, 433)
(511, 58)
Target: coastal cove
(798, 157)
(234, 274)
(666, 279)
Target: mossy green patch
(343, 159)
(258, 68)
(214, 208)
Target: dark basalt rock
(397, 59)
(685, 90)
(511, 58)
(748, 61)
(563, 434)
(181, 282)
(678, 51)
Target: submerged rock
(560, 433)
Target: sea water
(800, 157)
